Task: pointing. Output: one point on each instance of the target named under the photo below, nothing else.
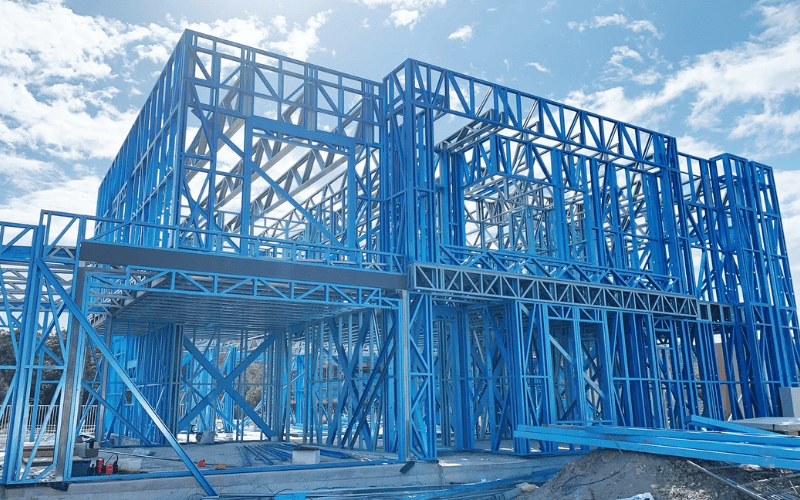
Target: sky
(74, 73)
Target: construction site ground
(360, 475)
(235, 472)
(613, 474)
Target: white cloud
(616, 68)
(405, 4)
(405, 12)
(405, 17)
(65, 45)
(23, 173)
(78, 196)
(60, 80)
(645, 109)
(643, 25)
(772, 128)
(299, 42)
(649, 77)
(789, 200)
(760, 73)
(58, 119)
(549, 5)
(161, 40)
(279, 22)
(788, 193)
(697, 147)
(157, 54)
(619, 54)
(616, 20)
(59, 86)
(365, 23)
(463, 33)
(538, 67)
(251, 31)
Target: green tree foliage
(255, 380)
(49, 377)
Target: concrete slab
(455, 468)
(776, 424)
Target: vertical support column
(674, 215)
(403, 373)
(247, 176)
(514, 336)
(351, 209)
(604, 351)
(101, 408)
(175, 377)
(556, 171)
(423, 232)
(549, 415)
(463, 354)
(655, 394)
(308, 372)
(421, 399)
(70, 397)
(25, 351)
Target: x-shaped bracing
(225, 384)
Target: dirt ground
(611, 474)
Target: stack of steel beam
(765, 450)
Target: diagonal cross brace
(116, 413)
(224, 384)
(333, 240)
(98, 342)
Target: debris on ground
(612, 474)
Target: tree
(49, 377)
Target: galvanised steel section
(428, 262)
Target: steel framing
(423, 263)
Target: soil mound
(612, 475)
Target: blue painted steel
(753, 449)
(223, 384)
(563, 267)
(702, 422)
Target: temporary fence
(50, 424)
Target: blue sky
(74, 73)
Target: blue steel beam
(692, 447)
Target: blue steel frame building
(410, 265)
